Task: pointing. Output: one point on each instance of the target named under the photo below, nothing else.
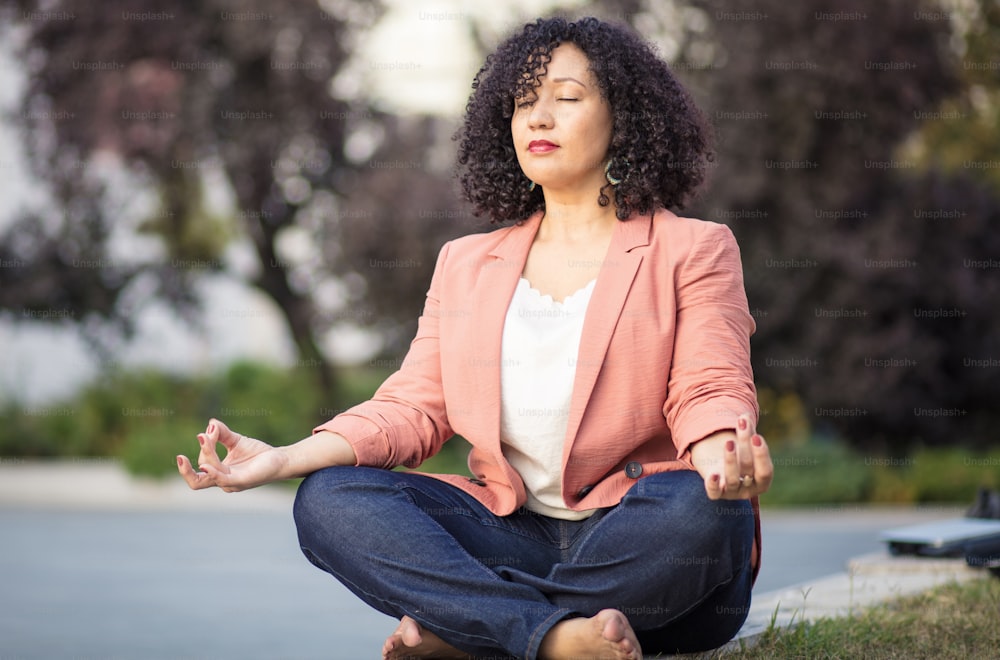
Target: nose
(540, 115)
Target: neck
(577, 220)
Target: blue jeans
(674, 562)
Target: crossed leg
(392, 538)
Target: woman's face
(562, 129)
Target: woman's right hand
(248, 463)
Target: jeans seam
(535, 641)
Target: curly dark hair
(661, 144)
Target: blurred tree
(845, 132)
(220, 99)
(963, 133)
(402, 208)
(240, 89)
(856, 261)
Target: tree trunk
(298, 310)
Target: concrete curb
(868, 581)
(88, 484)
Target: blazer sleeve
(711, 379)
(405, 422)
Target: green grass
(952, 622)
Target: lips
(541, 146)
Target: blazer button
(633, 470)
(478, 482)
(583, 492)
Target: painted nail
(201, 440)
(730, 445)
(742, 424)
(211, 428)
(180, 462)
(757, 440)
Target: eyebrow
(568, 79)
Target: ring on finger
(746, 481)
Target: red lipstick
(541, 146)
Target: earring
(531, 188)
(607, 174)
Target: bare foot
(411, 641)
(606, 635)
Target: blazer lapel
(493, 292)
(606, 303)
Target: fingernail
(180, 462)
(211, 428)
(742, 424)
(715, 478)
(730, 445)
(201, 440)
(757, 440)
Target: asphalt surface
(123, 584)
(159, 582)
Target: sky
(430, 43)
(418, 58)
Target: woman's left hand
(735, 465)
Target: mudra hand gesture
(248, 462)
(734, 468)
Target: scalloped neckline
(546, 298)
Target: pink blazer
(664, 361)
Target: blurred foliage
(148, 417)
(964, 131)
(816, 473)
(822, 471)
(452, 459)
(871, 274)
(783, 418)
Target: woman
(595, 354)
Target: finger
(744, 449)
(713, 486)
(219, 478)
(207, 455)
(763, 467)
(731, 469)
(195, 480)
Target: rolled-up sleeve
(711, 379)
(405, 422)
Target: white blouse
(541, 339)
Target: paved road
(171, 585)
(173, 582)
